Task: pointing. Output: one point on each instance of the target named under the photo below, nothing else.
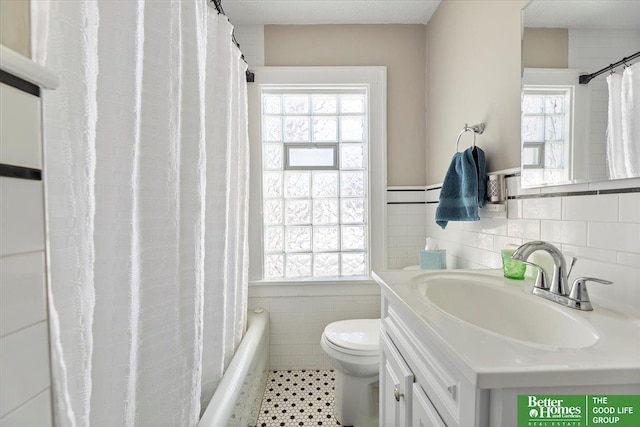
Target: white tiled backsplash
(602, 231)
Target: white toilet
(354, 349)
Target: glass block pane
(352, 184)
(298, 211)
(272, 184)
(297, 184)
(274, 239)
(352, 103)
(352, 129)
(273, 211)
(272, 156)
(324, 104)
(353, 264)
(352, 211)
(553, 128)
(554, 104)
(274, 266)
(296, 104)
(353, 237)
(325, 129)
(533, 104)
(325, 184)
(325, 239)
(299, 265)
(296, 129)
(272, 104)
(272, 129)
(298, 239)
(325, 211)
(352, 156)
(532, 129)
(553, 155)
(326, 265)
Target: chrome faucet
(558, 289)
(559, 285)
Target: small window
(311, 156)
(546, 133)
(315, 175)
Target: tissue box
(433, 260)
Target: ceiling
(261, 12)
(583, 14)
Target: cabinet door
(424, 414)
(395, 386)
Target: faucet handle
(579, 289)
(541, 278)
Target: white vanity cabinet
(424, 414)
(396, 386)
(439, 371)
(417, 386)
(403, 402)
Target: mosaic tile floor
(298, 398)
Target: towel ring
(460, 135)
(476, 129)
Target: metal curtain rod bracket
(475, 129)
(586, 78)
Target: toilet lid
(355, 334)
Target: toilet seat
(359, 337)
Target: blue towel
(464, 188)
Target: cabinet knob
(396, 393)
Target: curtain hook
(612, 71)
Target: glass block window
(314, 174)
(546, 127)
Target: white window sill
(337, 280)
(314, 286)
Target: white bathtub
(237, 399)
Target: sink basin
(485, 302)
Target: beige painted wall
(545, 48)
(473, 75)
(14, 26)
(401, 48)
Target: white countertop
(488, 360)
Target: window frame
(374, 79)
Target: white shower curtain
(146, 175)
(623, 128)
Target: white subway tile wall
(406, 230)
(25, 378)
(602, 231)
(297, 323)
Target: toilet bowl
(353, 347)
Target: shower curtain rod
(586, 78)
(218, 5)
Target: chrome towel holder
(476, 129)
